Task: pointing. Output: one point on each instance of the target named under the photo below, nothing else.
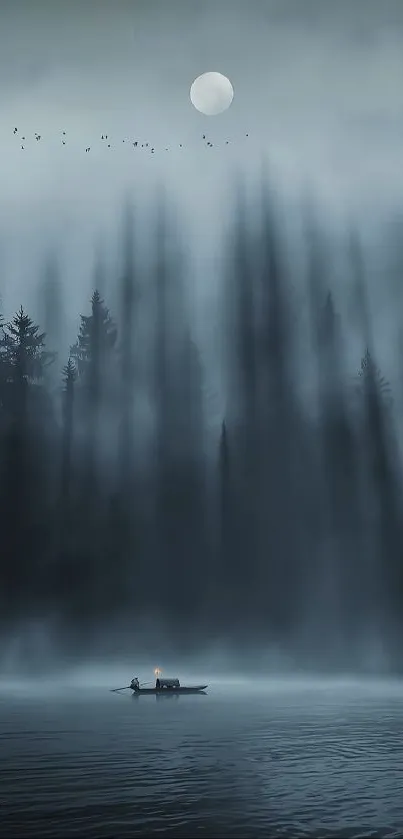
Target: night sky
(317, 88)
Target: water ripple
(312, 765)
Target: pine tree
(96, 338)
(93, 354)
(24, 360)
(371, 380)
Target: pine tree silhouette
(24, 359)
(93, 354)
(96, 338)
(371, 379)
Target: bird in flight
(135, 143)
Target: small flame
(157, 671)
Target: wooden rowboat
(164, 687)
(169, 691)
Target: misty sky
(318, 87)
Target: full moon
(211, 93)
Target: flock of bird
(105, 139)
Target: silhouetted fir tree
(371, 381)
(92, 354)
(97, 337)
(25, 358)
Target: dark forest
(285, 533)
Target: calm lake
(285, 758)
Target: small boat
(164, 687)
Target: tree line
(290, 534)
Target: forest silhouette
(290, 534)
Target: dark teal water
(285, 760)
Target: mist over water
(94, 679)
(285, 755)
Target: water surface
(285, 759)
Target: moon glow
(211, 93)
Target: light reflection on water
(285, 758)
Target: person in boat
(158, 684)
(135, 685)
